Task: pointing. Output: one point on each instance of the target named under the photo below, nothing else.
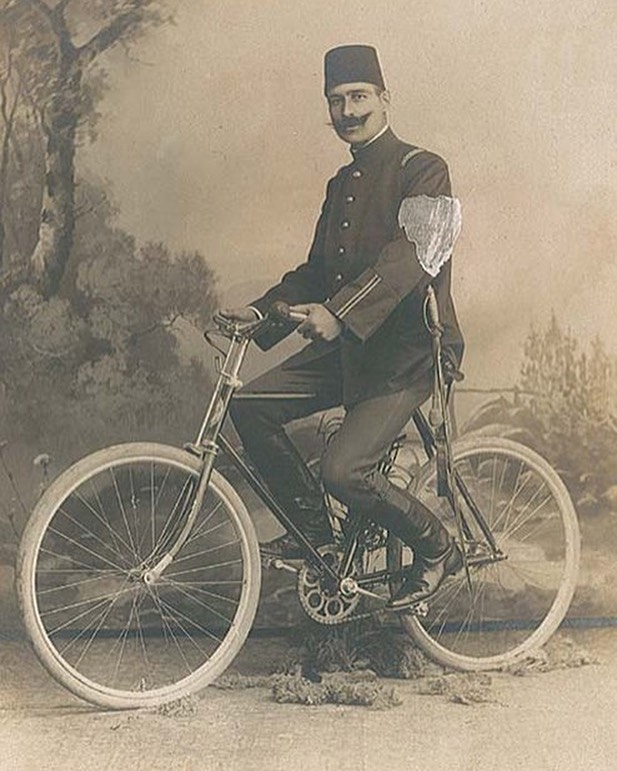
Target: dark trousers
(301, 386)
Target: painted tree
(565, 409)
(91, 323)
(53, 50)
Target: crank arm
(349, 587)
(278, 564)
(367, 593)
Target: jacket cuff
(348, 306)
(275, 331)
(258, 313)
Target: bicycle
(139, 569)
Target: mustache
(347, 123)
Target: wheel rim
(517, 602)
(104, 624)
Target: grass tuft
(467, 689)
(367, 644)
(558, 653)
(187, 706)
(336, 689)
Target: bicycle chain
(352, 618)
(420, 611)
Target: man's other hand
(319, 324)
(244, 313)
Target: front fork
(207, 444)
(206, 447)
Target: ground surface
(563, 719)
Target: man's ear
(385, 96)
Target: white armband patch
(433, 225)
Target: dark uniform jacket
(362, 266)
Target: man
(386, 231)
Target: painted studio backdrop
(158, 159)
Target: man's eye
(359, 97)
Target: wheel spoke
(178, 614)
(99, 621)
(123, 638)
(88, 532)
(88, 550)
(180, 504)
(172, 635)
(193, 555)
(522, 520)
(521, 593)
(509, 507)
(202, 568)
(87, 568)
(100, 628)
(123, 513)
(101, 517)
(178, 586)
(55, 630)
(196, 587)
(81, 603)
(200, 531)
(63, 587)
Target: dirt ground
(561, 719)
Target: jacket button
(356, 174)
(338, 277)
(341, 250)
(345, 224)
(350, 199)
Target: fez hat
(352, 64)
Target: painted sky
(216, 140)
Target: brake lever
(208, 338)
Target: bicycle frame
(211, 440)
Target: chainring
(322, 602)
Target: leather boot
(426, 576)
(411, 521)
(436, 555)
(296, 490)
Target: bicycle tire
(517, 603)
(80, 578)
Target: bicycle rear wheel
(96, 624)
(518, 601)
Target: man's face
(358, 111)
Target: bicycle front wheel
(515, 601)
(97, 620)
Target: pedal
(420, 610)
(276, 563)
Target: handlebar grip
(432, 307)
(283, 311)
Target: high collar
(375, 147)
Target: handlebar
(435, 327)
(280, 312)
(432, 311)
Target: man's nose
(348, 108)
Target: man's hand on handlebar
(315, 320)
(319, 324)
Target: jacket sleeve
(366, 302)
